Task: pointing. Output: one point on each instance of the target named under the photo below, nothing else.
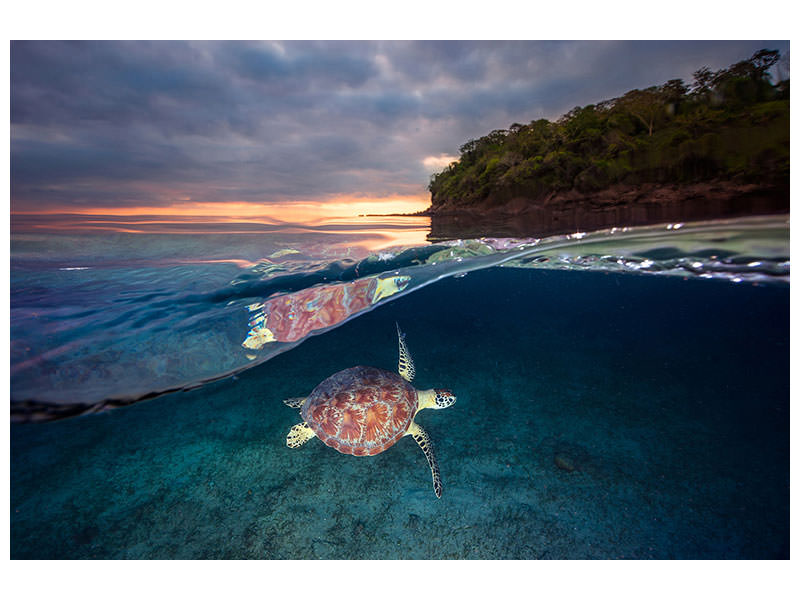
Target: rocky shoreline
(617, 206)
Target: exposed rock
(617, 206)
(564, 462)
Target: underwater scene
(619, 394)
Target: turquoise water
(620, 394)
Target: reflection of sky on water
(330, 231)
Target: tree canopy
(733, 122)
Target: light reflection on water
(368, 233)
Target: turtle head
(435, 399)
(443, 399)
(389, 286)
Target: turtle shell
(361, 410)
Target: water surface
(622, 394)
(103, 317)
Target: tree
(763, 60)
(673, 93)
(674, 90)
(646, 105)
(468, 147)
(747, 81)
(703, 79)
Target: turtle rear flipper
(424, 441)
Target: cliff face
(714, 196)
(620, 205)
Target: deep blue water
(599, 415)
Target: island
(716, 148)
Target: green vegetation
(733, 123)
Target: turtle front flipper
(295, 402)
(424, 441)
(405, 366)
(299, 435)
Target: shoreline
(620, 205)
(644, 194)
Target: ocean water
(620, 394)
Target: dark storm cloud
(309, 64)
(71, 82)
(148, 122)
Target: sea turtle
(365, 410)
(290, 317)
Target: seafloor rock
(565, 463)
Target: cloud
(436, 163)
(132, 123)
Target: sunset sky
(271, 127)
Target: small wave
(138, 329)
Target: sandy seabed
(598, 416)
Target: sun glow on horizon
(345, 217)
(305, 212)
